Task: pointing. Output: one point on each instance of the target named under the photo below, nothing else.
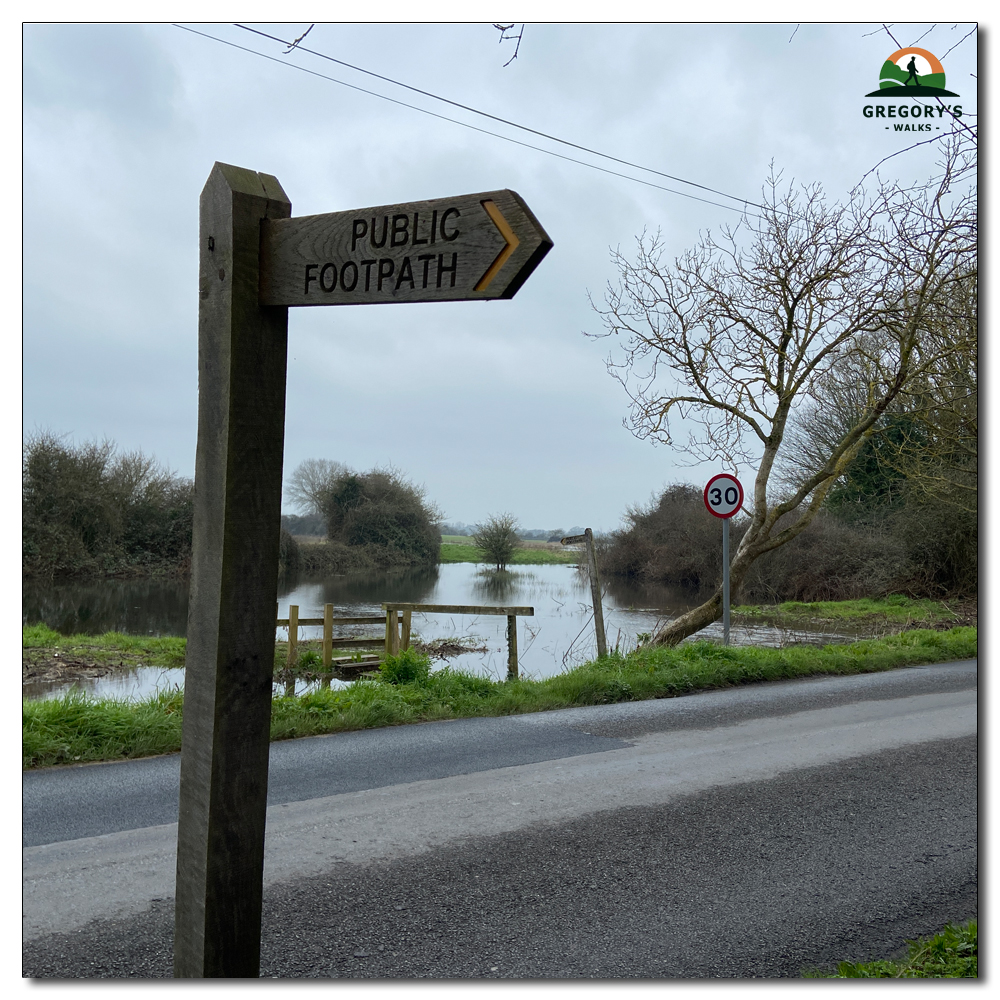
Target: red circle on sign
(720, 502)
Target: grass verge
(897, 609)
(953, 953)
(77, 728)
(39, 641)
(454, 552)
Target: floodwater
(558, 636)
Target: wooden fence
(401, 613)
(294, 622)
(397, 629)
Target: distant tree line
(549, 534)
(90, 510)
(525, 534)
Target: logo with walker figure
(912, 72)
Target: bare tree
(310, 484)
(507, 35)
(927, 442)
(747, 327)
(939, 451)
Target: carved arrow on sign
(510, 239)
(475, 246)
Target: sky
(498, 406)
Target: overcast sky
(491, 406)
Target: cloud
(504, 405)
(114, 72)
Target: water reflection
(134, 684)
(371, 588)
(497, 586)
(160, 607)
(136, 607)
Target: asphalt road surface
(752, 832)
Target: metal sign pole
(725, 581)
(723, 499)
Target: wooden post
(511, 646)
(242, 353)
(407, 616)
(292, 656)
(391, 633)
(327, 637)
(595, 593)
(293, 636)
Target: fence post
(391, 633)
(293, 635)
(511, 647)
(327, 636)
(293, 647)
(407, 615)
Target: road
(749, 832)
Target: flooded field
(559, 635)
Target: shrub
(289, 555)
(310, 660)
(497, 537)
(406, 667)
(86, 509)
(920, 548)
(674, 541)
(383, 510)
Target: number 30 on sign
(723, 496)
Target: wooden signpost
(587, 538)
(476, 246)
(255, 261)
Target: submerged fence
(394, 642)
(396, 623)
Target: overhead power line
(497, 118)
(517, 142)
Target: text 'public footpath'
(423, 270)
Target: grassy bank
(112, 648)
(951, 954)
(76, 728)
(454, 552)
(896, 609)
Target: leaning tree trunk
(690, 622)
(711, 611)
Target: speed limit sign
(723, 495)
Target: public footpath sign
(724, 498)
(254, 262)
(474, 246)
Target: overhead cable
(502, 121)
(476, 128)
